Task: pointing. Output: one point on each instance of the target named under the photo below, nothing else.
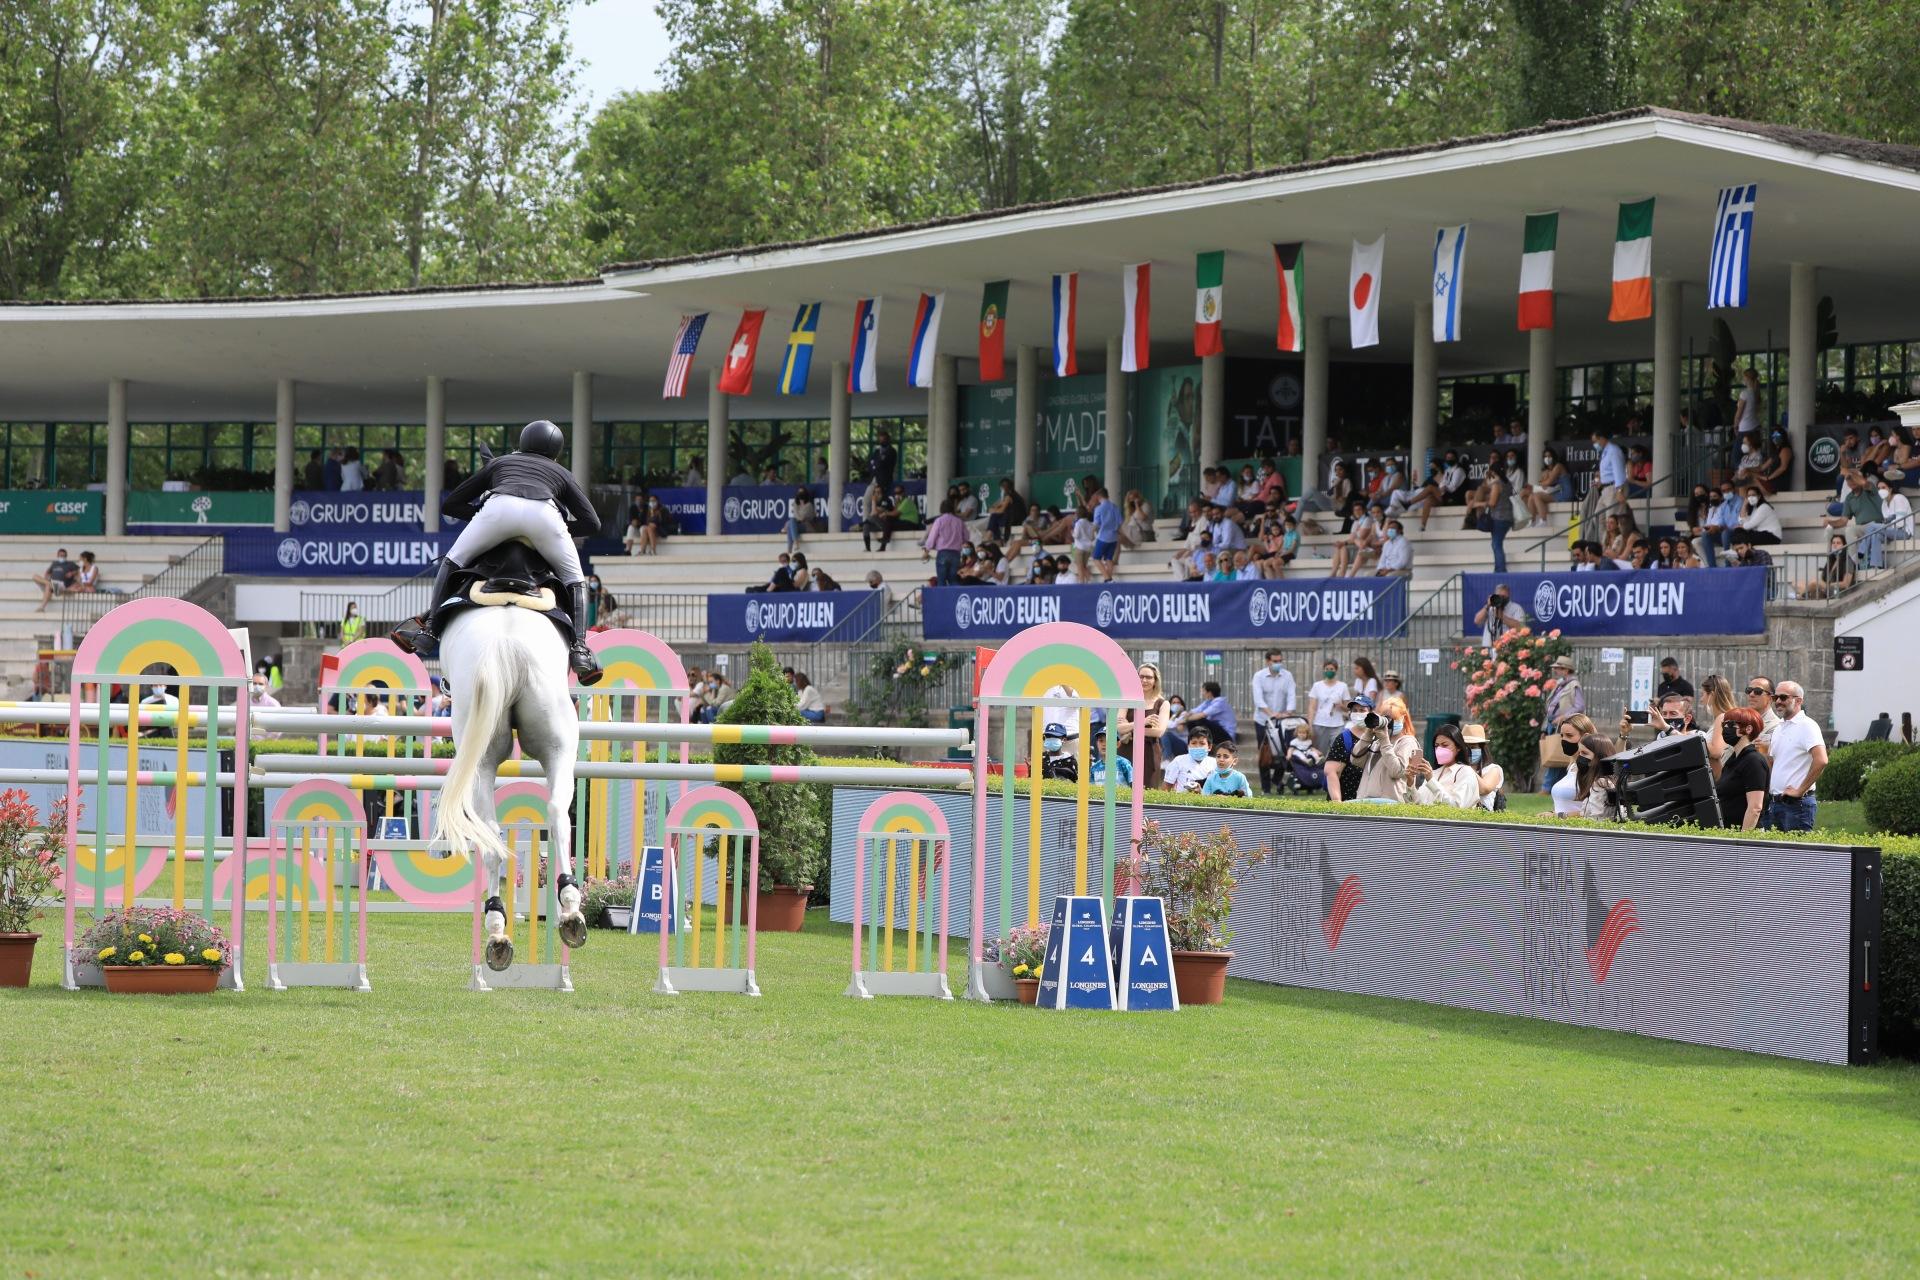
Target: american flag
(685, 343)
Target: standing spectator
(1347, 752)
(59, 575)
(696, 475)
(1492, 511)
(1799, 755)
(1106, 533)
(1746, 414)
(942, 542)
(1214, 714)
(1083, 539)
(812, 707)
(1740, 771)
(314, 474)
(1564, 788)
(882, 461)
(1717, 696)
(353, 476)
(392, 471)
(1274, 696)
(1564, 699)
(1225, 780)
(1671, 681)
(1597, 794)
(1393, 751)
(353, 626)
(1097, 763)
(1498, 615)
(1327, 701)
(1611, 471)
(1491, 777)
(1153, 720)
(335, 464)
(1366, 680)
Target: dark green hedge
(1849, 767)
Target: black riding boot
(418, 635)
(584, 664)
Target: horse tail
(492, 686)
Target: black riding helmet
(543, 438)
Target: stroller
(1277, 773)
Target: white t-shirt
(1184, 773)
(1366, 689)
(1747, 418)
(1083, 534)
(1330, 698)
(1793, 742)
(1565, 802)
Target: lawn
(423, 1130)
(1837, 816)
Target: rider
(525, 494)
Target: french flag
(1066, 310)
(926, 334)
(863, 369)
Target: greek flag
(1732, 246)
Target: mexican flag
(993, 331)
(1536, 271)
(1208, 272)
(1287, 260)
(1633, 263)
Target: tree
(1564, 55)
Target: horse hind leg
(499, 953)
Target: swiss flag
(736, 377)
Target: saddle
(511, 575)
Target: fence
(322, 608)
(184, 575)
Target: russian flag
(1135, 338)
(863, 369)
(1066, 307)
(926, 335)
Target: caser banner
(75, 511)
(1727, 601)
(1270, 609)
(798, 617)
(372, 552)
(1743, 944)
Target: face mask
(1676, 723)
(1358, 720)
(1328, 674)
(1444, 754)
(1177, 707)
(1273, 668)
(1051, 744)
(1474, 754)
(1196, 754)
(1395, 726)
(1885, 494)
(1729, 734)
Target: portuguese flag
(993, 331)
(1209, 270)
(1633, 263)
(1536, 271)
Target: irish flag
(1135, 332)
(1633, 263)
(1536, 271)
(1209, 271)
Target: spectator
(634, 540)
(1449, 780)
(1611, 471)
(1717, 696)
(1671, 681)
(1188, 770)
(1718, 521)
(743, 477)
(59, 576)
(1225, 532)
(314, 474)
(813, 708)
(352, 626)
(1566, 698)
(942, 543)
(1861, 512)
(1740, 772)
(1396, 553)
(876, 516)
(1562, 784)
(1107, 522)
(1366, 679)
(1595, 791)
(1799, 753)
(1453, 481)
(882, 461)
(1306, 761)
(906, 509)
(1746, 555)
(1082, 540)
(782, 577)
(1225, 779)
(1760, 702)
(1554, 484)
(1274, 692)
(1746, 414)
(603, 610)
(332, 472)
(1327, 706)
(656, 525)
(1346, 753)
(1392, 750)
(1008, 513)
(800, 516)
(1097, 763)
(353, 476)
(1361, 541)
(1153, 717)
(1777, 472)
(820, 580)
(1214, 714)
(1491, 511)
(1639, 472)
(1498, 615)
(1136, 529)
(1425, 497)
(1489, 777)
(696, 474)
(1896, 512)
(392, 471)
(1836, 575)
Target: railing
(1591, 517)
(323, 608)
(1797, 575)
(184, 575)
(676, 617)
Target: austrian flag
(1536, 270)
(1209, 271)
(1135, 337)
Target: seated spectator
(1453, 481)
(1187, 770)
(817, 580)
(1745, 553)
(1896, 512)
(966, 504)
(1007, 514)
(1778, 468)
(1137, 528)
(906, 509)
(1758, 520)
(635, 538)
(1097, 763)
(876, 516)
(782, 577)
(1425, 497)
(1194, 516)
(812, 707)
(1752, 458)
(1360, 543)
(802, 516)
(1305, 760)
(1554, 484)
(1616, 544)
(1227, 535)
(1639, 472)
(58, 576)
(1836, 575)
(87, 577)
(1214, 714)
(1596, 793)
(1396, 553)
(1226, 780)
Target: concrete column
(283, 459)
(1666, 382)
(583, 427)
(716, 450)
(1313, 401)
(1213, 409)
(117, 457)
(1803, 304)
(1026, 417)
(1543, 387)
(943, 417)
(1113, 475)
(1426, 390)
(436, 450)
(839, 444)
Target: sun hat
(1563, 661)
(1471, 733)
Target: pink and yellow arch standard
(1061, 653)
(712, 818)
(902, 830)
(637, 661)
(141, 633)
(312, 801)
(715, 809)
(377, 663)
(520, 804)
(645, 680)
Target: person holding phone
(1573, 731)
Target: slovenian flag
(1287, 260)
(863, 369)
(1066, 309)
(1732, 245)
(993, 331)
(793, 370)
(1536, 270)
(1449, 260)
(1633, 263)
(1209, 273)
(926, 338)
(1363, 293)
(1134, 328)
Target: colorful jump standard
(323, 813)
(914, 835)
(645, 684)
(711, 814)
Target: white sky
(621, 44)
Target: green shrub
(793, 824)
(1849, 767)
(1900, 946)
(1893, 797)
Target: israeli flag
(1732, 247)
(1449, 259)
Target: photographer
(1498, 615)
(1393, 764)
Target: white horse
(508, 669)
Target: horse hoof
(573, 931)
(499, 953)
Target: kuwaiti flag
(926, 338)
(1066, 314)
(736, 376)
(863, 369)
(1363, 293)
(794, 369)
(1287, 260)
(1732, 244)
(1633, 263)
(1209, 276)
(1134, 328)
(1449, 262)
(1536, 270)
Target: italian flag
(1135, 335)
(1208, 272)
(1633, 263)
(1292, 278)
(1536, 271)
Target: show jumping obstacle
(724, 818)
(521, 810)
(913, 833)
(316, 845)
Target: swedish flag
(793, 370)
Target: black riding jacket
(526, 475)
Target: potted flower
(29, 880)
(793, 830)
(1194, 875)
(1022, 954)
(155, 950)
(608, 904)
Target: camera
(1496, 601)
(1372, 721)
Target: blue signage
(1142, 954)
(1270, 609)
(755, 508)
(1642, 602)
(372, 552)
(1078, 970)
(794, 617)
(648, 900)
(328, 509)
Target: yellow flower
(106, 953)
(174, 957)
(1019, 971)
(136, 956)
(147, 938)
(210, 955)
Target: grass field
(1837, 816)
(423, 1130)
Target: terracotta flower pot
(16, 958)
(1029, 989)
(161, 979)
(1201, 976)
(782, 909)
